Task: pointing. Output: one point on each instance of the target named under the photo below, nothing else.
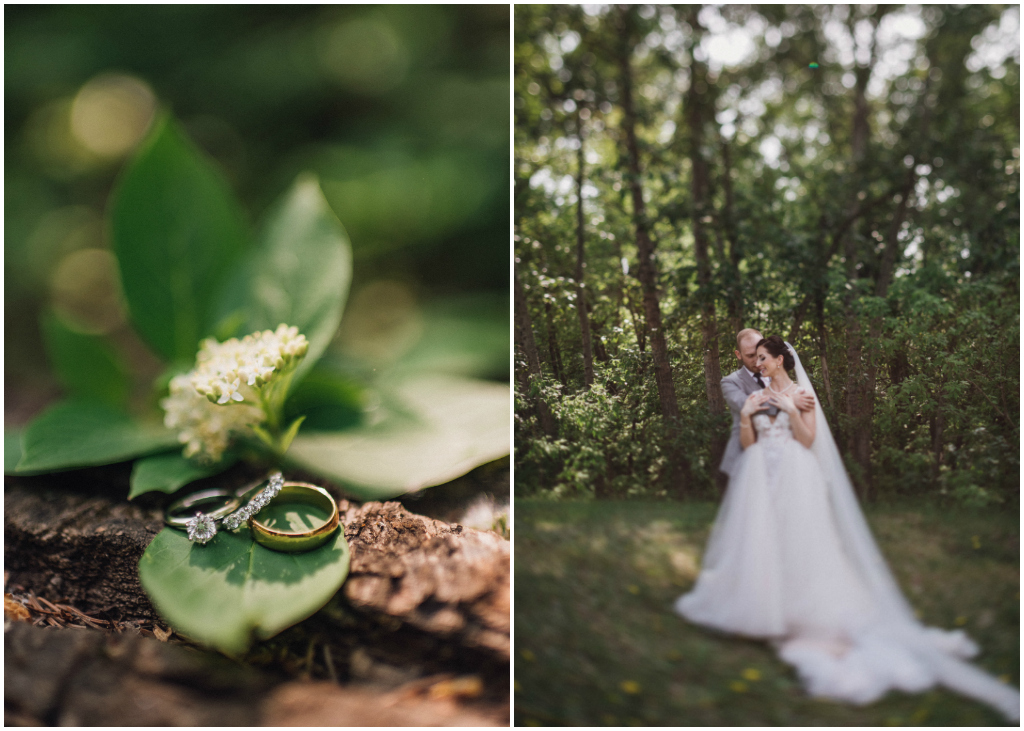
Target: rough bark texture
(82, 677)
(425, 599)
(645, 247)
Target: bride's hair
(774, 345)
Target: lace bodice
(766, 429)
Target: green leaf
(86, 365)
(224, 593)
(465, 335)
(169, 472)
(328, 400)
(76, 434)
(177, 231)
(439, 428)
(12, 451)
(298, 273)
(289, 436)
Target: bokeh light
(365, 54)
(111, 113)
(86, 291)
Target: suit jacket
(736, 387)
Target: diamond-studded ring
(264, 496)
(201, 527)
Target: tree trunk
(937, 427)
(734, 297)
(819, 310)
(696, 104)
(581, 292)
(554, 354)
(645, 248)
(524, 337)
(858, 398)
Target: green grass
(597, 641)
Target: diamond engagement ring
(237, 518)
(201, 527)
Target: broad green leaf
(440, 428)
(177, 232)
(328, 400)
(169, 472)
(12, 451)
(466, 335)
(298, 273)
(81, 434)
(232, 589)
(86, 365)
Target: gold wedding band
(295, 542)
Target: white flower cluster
(228, 371)
(221, 397)
(203, 427)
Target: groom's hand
(803, 400)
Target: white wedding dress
(791, 560)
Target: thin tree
(581, 291)
(697, 112)
(525, 339)
(645, 247)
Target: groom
(739, 384)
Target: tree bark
(699, 189)
(442, 579)
(696, 112)
(734, 298)
(857, 387)
(554, 354)
(645, 248)
(424, 599)
(581, 291)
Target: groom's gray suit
(736, 387)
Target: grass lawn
(597, 642)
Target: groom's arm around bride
(739, 384)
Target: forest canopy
(846, 177)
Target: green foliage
(86, 365)
(233, 590)
(12, 451)
(177, 231)
(81, 434)
(466, 335)
(329, 400)
(170, 472)
(925, 297)
(433, 428)
(297, 273)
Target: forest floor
(597, 642)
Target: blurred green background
(401, 110)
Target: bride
(792, 560)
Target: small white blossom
(203, 427)
(229, 371)
(231, 389)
